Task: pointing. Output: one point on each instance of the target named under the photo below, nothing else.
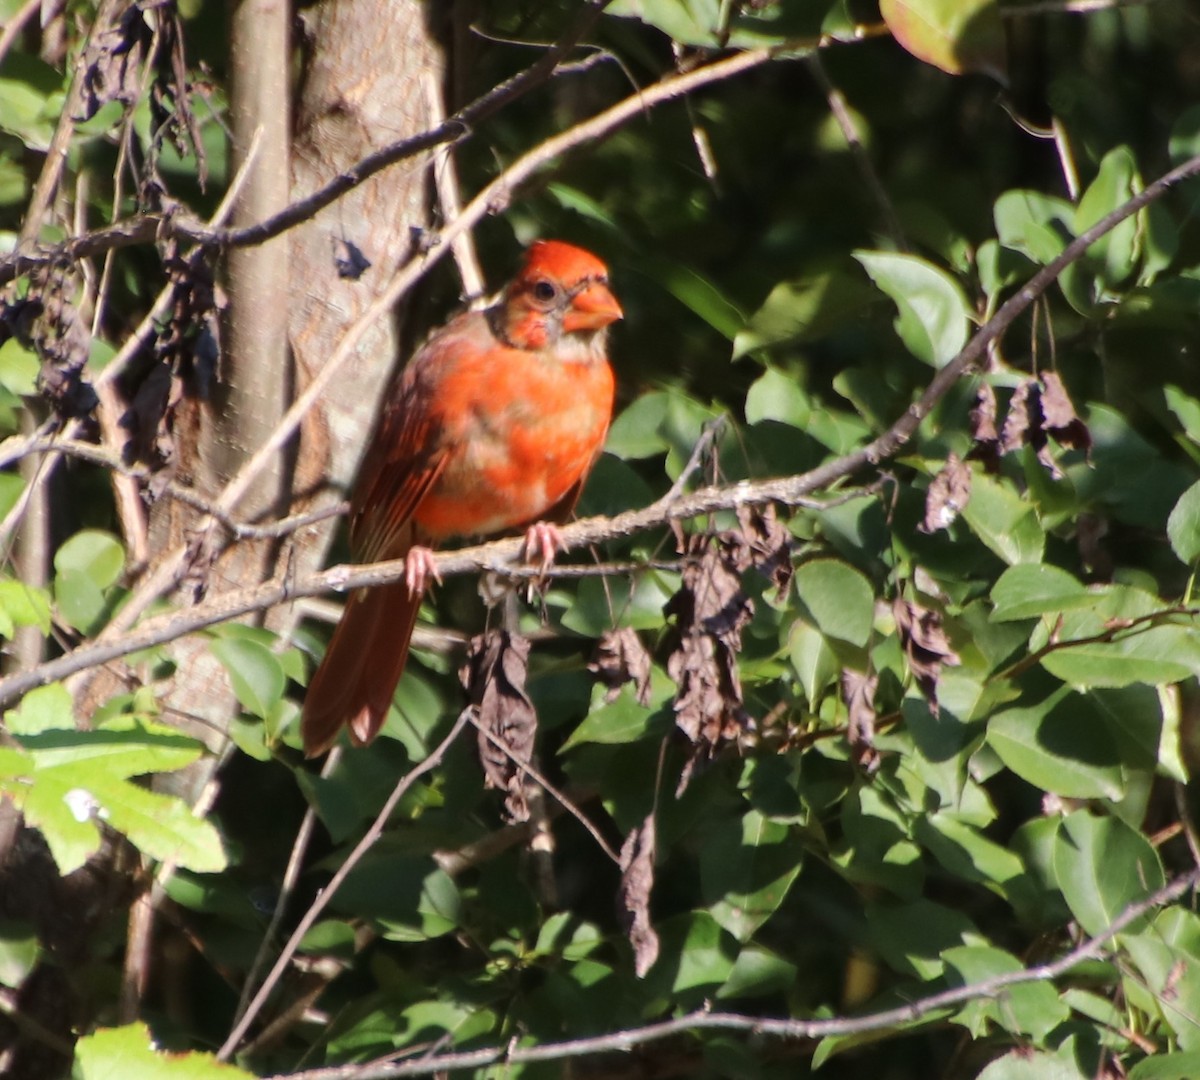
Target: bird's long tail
(365, 659)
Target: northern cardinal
(492, 426)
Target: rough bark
(290, 300)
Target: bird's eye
(545, 291)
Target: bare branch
(704, 1020)
(791, 490)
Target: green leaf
(839, 599)
(1026, 1064)
(1182, 1066)
(1114, 255)
(1034, 224)
(623, 720)
(914, 937)
(79, 600)
(1187, 411)
(1032, 1008)
(1142, 654)
(747, 867)
(19, 368)
(161, 826)
(120, 749)
(815, 663)
(1004, 521)
(957, 36)
(1030, 590)
(1059, 745)
(255, 673)
(25, 605)
(62, 811)
(934, 314)
(97, 555)
(129, 1053)
(775, 396)
(42, 709)
(635, 432)
(1102, 866)
(19, 952)
(1183, 526)
(804, 310)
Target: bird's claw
(543, 541)
(420, 568)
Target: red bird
(492, 426)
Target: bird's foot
(542, 542)
(420, 568)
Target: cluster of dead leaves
(46, 321)
(1039, 411)
(710, 609)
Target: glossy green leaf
(25, 605)
(1004, 521)
(1116, 254)
(623, 720)
(815, 663)
(776, 396)
(1103, 866)
(1178, 1066)
(746, 869)
(934, 314)
(1026, 1064)
(1034, 224)
(1031, 590)
(161, 826)
(838, 598)
(803, 310)
(255, 673)
(1031, 1008)
(1059, 745)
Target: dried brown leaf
(985, 437)
(1061, 421)
(947, 496)
(637, 882)
(858, 692)
(1023, 422)
(621, 658)
(112, 61)
(769, 544)
(710, 610)
(494, 676)
(925, 645)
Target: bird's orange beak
(592, 309)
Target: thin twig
(559, 796)
(146, 228)
(445, 180)
(704, 1020)
(327, 894)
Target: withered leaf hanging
(637, 882)
(947, 495)
(494, 676)
(925, 645)
(622, 658)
